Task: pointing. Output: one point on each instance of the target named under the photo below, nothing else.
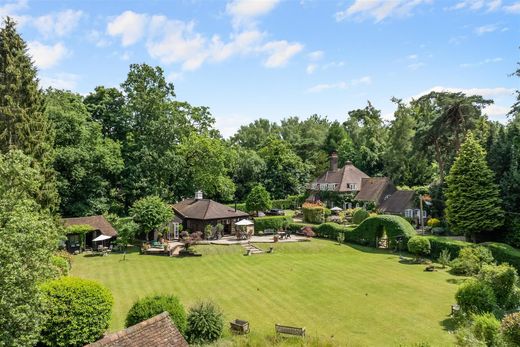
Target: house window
(351, 186)
(314, 186)
(408, 213)
(331, 186)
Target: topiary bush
(470, 260)
(475, 296)
(503, 280)
(439, 243)
(78, 311)
(150, 306)
(313, 213)
(371, 228)
(60, 265)
(486, 328)
(419, 245)
(510, 328)
(205, 323)
(359, 215)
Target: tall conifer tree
(23, 124)
(473, 198)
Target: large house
(366, 191)
(347, 179)
(195, 214)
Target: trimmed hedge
(150, 306)
(240, 206)
(272, 222)
(313, 214)
(438, 243)
(370, 229)
(78, 311)
(504, 254)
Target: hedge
(504, 253)
(240, 206)
(274, 222)
(151, 306)
(313, 214)
(438, 243)
(395, 226)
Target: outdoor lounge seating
(239, 327)
(288, 330)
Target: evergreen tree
(23, 124)
(473, 204)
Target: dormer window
(352, 186)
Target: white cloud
(98, 38)
(412, 56)
(241, 43)
(486, 29)
(57, 24)
(379, 9)
(244, 12)
(47, 56)
(333, 64)
(482, 62)
(129, 25)
(280, 52)
(326, 86)
(365, 80)
(315, 56)
(485, 92)
(311, 68)
(318, 88)
(60, 81)
(513, 8)
(416, 66)
(494, 111)
(474, 5)
(12, 9)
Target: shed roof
(96, 222)
(372, 189)
(206, 209)
(398, 201)
(156, 331)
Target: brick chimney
(198, 195)
(333, 162)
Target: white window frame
(408, 213)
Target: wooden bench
(239, 327)
(283, 329)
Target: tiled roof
(398, 201)
(347, 174)
(96, 222)
(375, 189)
(206, 209)
(156, 331)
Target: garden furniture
(239, 327)
(288, 330)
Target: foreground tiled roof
(96, 222)
(398, 201)
(206, 209)
(374, 189)
(156, 331)
(347, 174)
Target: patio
(232, 240)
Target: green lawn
(351, 295)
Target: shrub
(341, 238)
(419, 245)
(475, 296)
(486, 328)
(313, 213)
(465, 337)
(78, 311)
(502, 279)
(470, 260)
(150, 306)
(510, 328)
(433, 223)
(371, 228)
(444, 258)
(65, 255)
(274, 222)
(205, 323)
(359, 215)
(61, 265)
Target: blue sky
(274, 59)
